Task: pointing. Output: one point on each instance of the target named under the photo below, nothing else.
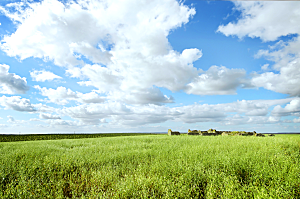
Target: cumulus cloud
(286, 81)
(273, 119)
(17, 103)
(142, 115)
(91, 113)
(200, 113)
(48, 116)
(10, 83)
(267, 20)
(62, 95)
(41, 76)
(248, 107)
(125, 53)
(290, 109)
(23, 105)
(286, 56)
(119, 114)
(216, 81)
(245, 112)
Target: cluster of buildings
(214, 132)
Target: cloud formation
(270, 20)
(10, 83)
(217, 81)
(267, 20)
(127, 54)
(17, 103)
(41, 76)
(286, 56)
(62, 95)
(290, 109)
(48, 116)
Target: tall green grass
(152, 167)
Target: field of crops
(152, 166)
(30, 137)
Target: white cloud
(11, 119)
(91, 97)
(34, 119)
(91, 113)
(23, 105)
(296, 120)
(61, 95)
(42, 21)
(130, 52)
(67, 123)
(48, 116)
(200, 113)
(3, 126)
(217, 81)
(118, 114)
(273, 119)
(286, 56)
(146, 96)
(267, 20)
(249, 107)
(10, 83)
(41, 76)
(142, 115)
(43, 108)
(236, 119)
(290, 109)
(265, 67)
(17, 103)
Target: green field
(152, 166)
(30, 137)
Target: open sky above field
(146, 66)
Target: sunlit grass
(157, 166)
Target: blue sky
(147, 66)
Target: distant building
(193, 132)
(170, 132)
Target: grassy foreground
(156, 166)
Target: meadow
(152, 166)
